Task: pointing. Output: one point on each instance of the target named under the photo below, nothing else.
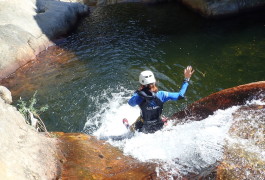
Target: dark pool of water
(110, 47)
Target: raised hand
(188, 72)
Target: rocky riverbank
(25, 154)
(207, 8)
(215, 8)
(222, 100)
(28, 27)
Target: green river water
(104, 55)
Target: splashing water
(107, 119)
(190, 147)
(185, 148)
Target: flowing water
(88, 77)
(190, 147)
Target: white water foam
(108, 117)
(189, 147)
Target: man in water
(151, 100)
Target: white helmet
(147, 77)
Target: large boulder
(28, 26)
(207, 8)
(213, 8)
(221, 100)
(26, 154)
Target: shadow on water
(79, 76)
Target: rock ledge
(28, 27)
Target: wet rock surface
(221, 100)
(90, 158)
(244, 152)
(245, 145)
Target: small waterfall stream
(191, 147)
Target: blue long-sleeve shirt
(164, 96)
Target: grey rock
(214, 8)
(5, 94)
(25, 154)
(28, 27)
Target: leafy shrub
(31, 113)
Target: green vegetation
(23, 108)
(31, 113)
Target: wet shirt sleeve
(135, 100)
(165, 96)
